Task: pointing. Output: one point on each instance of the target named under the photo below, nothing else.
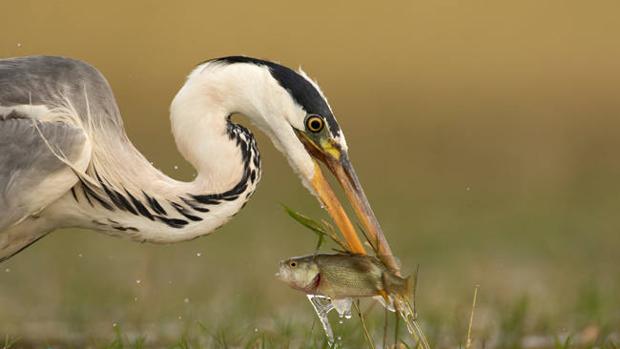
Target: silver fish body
(341, 275)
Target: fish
(342, 275)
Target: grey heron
(66, 161)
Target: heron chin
(66, 161)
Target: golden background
(486, 134)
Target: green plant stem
(369, 340)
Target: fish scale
(341, 276)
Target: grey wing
(31, 175)
(50, 81)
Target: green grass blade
(322, 228)
(305, 221)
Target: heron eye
(314, 123)
(293, 264)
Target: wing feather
(52, 109)
(32, 176)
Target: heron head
(318, 138)
(291, 109)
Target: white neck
(208, 140)
(200, 122)
(213, 92)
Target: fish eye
(314, 123)
(292, 264)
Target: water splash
(343, 307)
(322, 306)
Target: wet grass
(198, 337)
(560, 295)
(513, 331)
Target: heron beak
(336, 211)
(337, 161)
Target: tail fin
(398, 286)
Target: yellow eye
(314, 123)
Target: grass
(197, 337)
(8, 342)
(288, 332)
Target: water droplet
(114, 324)
(138, 281)
(198, 254)
(176, 167)
(339, 338)
(7, 270)
(19, 44)
(255, 329)
(180, 317)
(186, 300)
(80, 255)
(135, 299)
(468, 188)
(169, 282)
(341, 321)
(347, 316)
(343, 307)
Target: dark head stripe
(300, 89)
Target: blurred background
(486, 134)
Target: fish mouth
(282, 276)
(282, 272)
